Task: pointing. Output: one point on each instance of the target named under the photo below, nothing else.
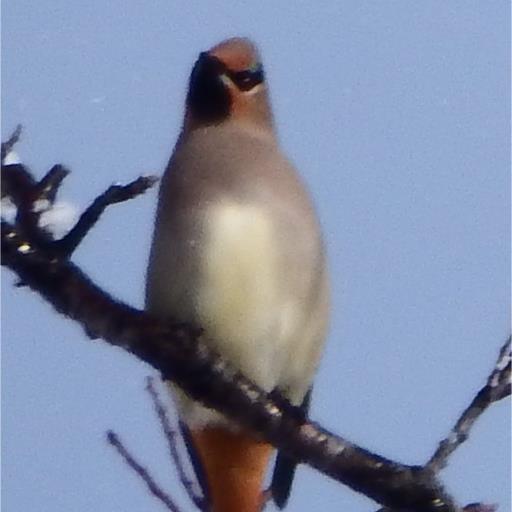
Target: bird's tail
(235, 464)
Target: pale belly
(246, 301)
(243, 301)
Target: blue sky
(397, 114)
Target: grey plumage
(231, 167)
(237, 250)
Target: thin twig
(471, 507)
(480, 507)
(114, 194)
(21, 187)
(50, 184)
(170, 435)
(153, 487)
(11, 142)
(497, 387)
(500, 378)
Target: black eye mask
(248, 78)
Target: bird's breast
(240, 298)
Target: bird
(238, 250)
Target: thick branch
(181, 356)
(179, 353)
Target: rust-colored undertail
(235, 464)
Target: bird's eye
(247, 79)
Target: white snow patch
(8, 209)
(40, 205)
(12, 158)
(59, 219)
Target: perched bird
(237, 250)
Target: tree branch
(153, 487)
(182, 357)
(171, 436)
(179, 353)
(497, 387)
(114, 194)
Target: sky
(397, 114)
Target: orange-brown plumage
(237, 53)
(235, 464)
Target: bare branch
(19, 184)
(153, 487)
(32, 198)
(171, 435)
(480, 507)
(114, 194)
(50, 184)
(497, 387)
(180, 354)
(11, 142)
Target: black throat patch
(208, 99)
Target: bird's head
(228, 83)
